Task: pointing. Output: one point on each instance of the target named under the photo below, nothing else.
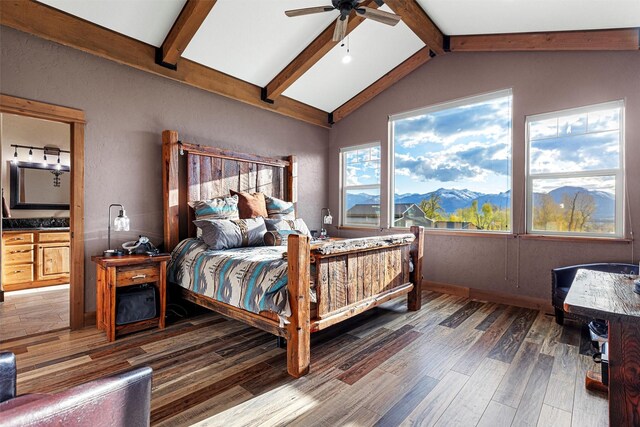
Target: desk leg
(624, 373)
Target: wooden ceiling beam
(310, 56)
(190, 19)
(384, 82)
(51, 24)
(619, 39)
(419, 22)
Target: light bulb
(58, 164)
(15, 156)
(44, 160)
(346, 59)
(30, 154)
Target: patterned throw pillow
(231, 233)
(278, 238)
(250, 205)
(279, 209)
(287, 224)
(220, 208)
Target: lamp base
(113, 252)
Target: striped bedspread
(254, 279)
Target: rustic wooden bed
(348, 281)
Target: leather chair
(562, 278)
(118, 400)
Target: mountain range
(453, 199)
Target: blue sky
(466, 147)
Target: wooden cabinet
(114, 274)
(32, 259)
(53, 260)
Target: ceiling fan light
(347, 59)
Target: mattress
(254, 279)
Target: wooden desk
(610, 296)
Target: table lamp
(120, 223)
(326, 219)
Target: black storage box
(135, 303)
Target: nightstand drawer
(17, 254)
(17, 274)
(136, 275)
(17, 238)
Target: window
(576, 171)
(451, 165)
(361, 185)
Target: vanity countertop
(35, 224)
(22, 230)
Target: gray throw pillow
(287, 224)
(231, 233)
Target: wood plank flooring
(455, 362)
(34, 311)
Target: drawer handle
(18, 271)
(16, 238)
(20, 252)
(138, 276)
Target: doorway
(53, 252)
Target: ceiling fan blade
(308, 10)
(379, 15)
(340, 31)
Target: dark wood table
(610, 296)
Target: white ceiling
(521, 16)
(253, 40)
(375, 49)
(145, 20)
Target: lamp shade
(121, 222)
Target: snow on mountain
(452, 199)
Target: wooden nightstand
(113, 273)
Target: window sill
(574, 239)
(445, 232)
(357, 227)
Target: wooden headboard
(193, 172)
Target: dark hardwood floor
(455, 362)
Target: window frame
(618, 174)
(458, 102)
(344, 188)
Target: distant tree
(546, 213)
(578, 210)
(432, 207)
(488, 217)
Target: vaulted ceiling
(251, 51)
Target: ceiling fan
(345, 7)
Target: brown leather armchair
(118, 400)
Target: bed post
(414, 298)
(170, 189)
(292, 182)
(299, 328)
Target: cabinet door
(53, 261)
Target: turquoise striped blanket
(254, 279)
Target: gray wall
(541, 82)
(126, 112)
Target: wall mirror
(40, 186)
